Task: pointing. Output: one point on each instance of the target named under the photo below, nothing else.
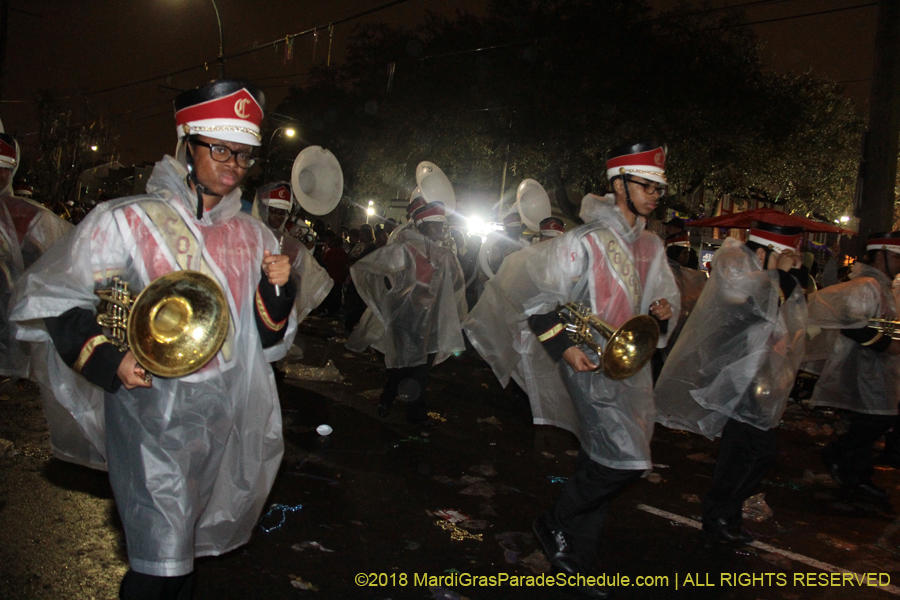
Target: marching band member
(618, 269)
(734, 364)
(27, 230)
(191, 459)
(861, 373)
(552, 227)
(419, 313)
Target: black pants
(410, 383)
(852, 452)
(580, 510)
(138, 586)
(745, 456)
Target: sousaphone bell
(628, 348)
(533, 204)
(317, 180)
(176, 324)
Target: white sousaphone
(317, 180)
(435, 186)
(533, 204)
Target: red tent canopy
(743, 220)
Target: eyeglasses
(650, 188)
(223, 154)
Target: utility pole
(878, 169)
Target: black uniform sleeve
(272, 311)
(868, 337)
(551, 333)
(787, 282)
(81, 344)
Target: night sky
(81, 49)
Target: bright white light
(845, 219)
(370, 211)
(289, 132)
(197, 334)
(94, 148)
(371, 202)
(476, 225)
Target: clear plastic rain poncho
(852, 376)
(27, 229)
(738, 354)
(618, 271)
(191, 460)
(422, 310)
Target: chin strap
(192, 176)
(628, 201)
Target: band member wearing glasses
(191, 459)
(733, 366)
(612, 265)
(861, 373)
(27, 230)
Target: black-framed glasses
(223, 154)
(650, 188)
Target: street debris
(412, 545)
(437, 417)
(477, 486)
(371, 394)
(457, 533)
(486, 470)
(6, 447)
(548, 455)
(557, 479)
(778, 560)
(821, 478)
(692, 498)
(572, 452)
(837, 542)
(756, 509)
(315, 545)
(660, 466)
(283, 509)
(449, 514)
(654, 478)
(298, 583)
(307, 373)
(492, 421)
(783, 484)
(702, 457)
(516, 544)
(441, 593)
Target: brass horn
(628, 348)
(174, 326)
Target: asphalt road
(370, 493)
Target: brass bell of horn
(178, 323)
(628, 348)
(533, 204)
(317, 180)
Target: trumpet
(886, 327)
(628, 348)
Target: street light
(370, 211)
(289, 132)
(221, 56)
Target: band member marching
(618, 270)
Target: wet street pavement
(380, 510)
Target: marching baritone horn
(886, 327)
(628, 348)
(174, 326)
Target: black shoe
(867, 488)
(384, 410)
(557, 547)
(725, 532)
(592, 591)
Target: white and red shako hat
(417, 203)
(776, 237)
(9, 151)
(644, 159)
(228, 109)
(884, 241)
(433, 211)
(277, 195)
(552, 227)
(513, 219)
